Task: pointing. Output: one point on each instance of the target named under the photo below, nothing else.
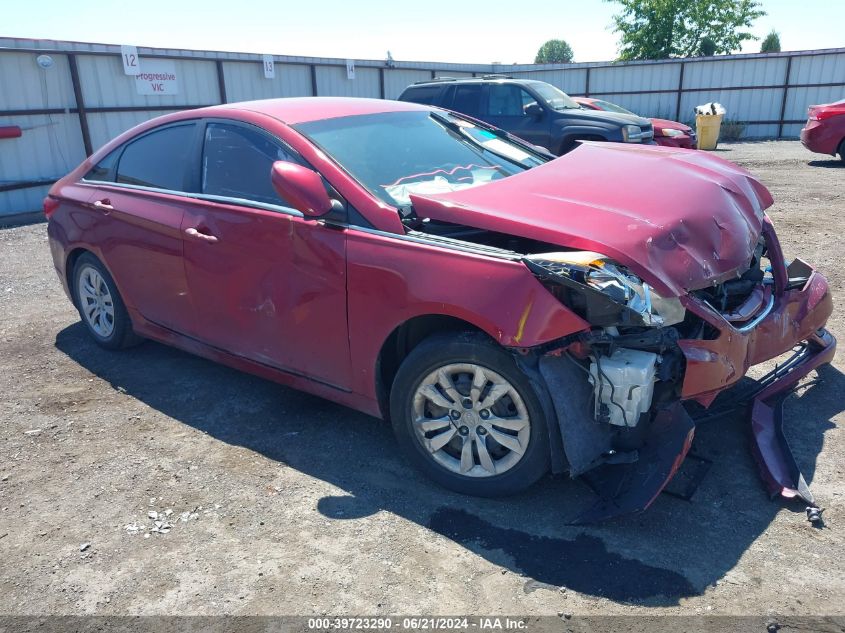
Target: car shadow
(832, 163)
(674, 550)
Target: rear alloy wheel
(468, 416)
(100, 305)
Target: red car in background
(824, 132)
(508, 311)
(667, 133)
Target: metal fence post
(680, 92)
(785, 92)
(80, 104)
(221, 82)
(313, 80)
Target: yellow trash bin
(707, 128)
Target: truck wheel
(468, 417)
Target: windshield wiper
(467, 136)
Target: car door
(137, 207)
(268, 284)
(506, 109)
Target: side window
(467, 99)
(236, 163)
(508, 100)
(104, 170)
(158, 159)
(426, 95)
(527, 99)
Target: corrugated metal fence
(84, 98)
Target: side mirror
(534, 110)
(301, 187)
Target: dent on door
(271, 288)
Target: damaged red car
(508, 312)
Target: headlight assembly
(604, 292)
(633, 133)
(671, 132)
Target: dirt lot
(282, 503)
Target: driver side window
(508, 100)
(236, 163)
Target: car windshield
(555, 98)
(607, 106)
(396, 154)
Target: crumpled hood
(680, 219)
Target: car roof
(293, 110)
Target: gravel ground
(270, 501)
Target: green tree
(707, 47)
(659, 29)
(771, 44)
(554, 52)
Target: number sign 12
(131, 65)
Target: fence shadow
(674, 550)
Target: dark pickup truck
(536, 111)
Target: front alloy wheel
(468, 417)
(471, 420)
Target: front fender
(392, 280)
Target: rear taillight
(50, 205)
(821, 113)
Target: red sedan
(668, 133)
(510, 314)
(824, 132)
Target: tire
(418, 389)
(100, 305)
(842, 150)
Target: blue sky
(492, 31)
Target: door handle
(192, 232)
(103, 205)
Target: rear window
(104, 170)
(158, 159)
(426, 95)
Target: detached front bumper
(777, 465)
